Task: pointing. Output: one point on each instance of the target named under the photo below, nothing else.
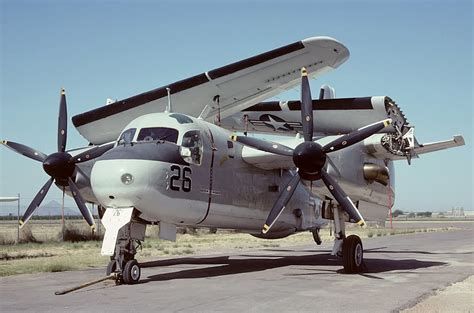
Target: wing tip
(459, 140)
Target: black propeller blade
(281, 203)
(306, 107)
(60, 166)
(310, 157)
(36, 202)
(80, 203)
(26, 151)
(62, 122)
(263, 145)
(356, 136)
(342, 198)
(91, 153)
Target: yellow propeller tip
(387, 122)
(362, 223)
(21, 223)
(304, 72)
(265, 229)
(4, 142)
(233, 137)
(63, 91)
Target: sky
(417, 52)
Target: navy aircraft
(197, 153)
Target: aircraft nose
(127, 176)
(119, 182)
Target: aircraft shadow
(224, 265)
(378, 250)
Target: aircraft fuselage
(216, 187)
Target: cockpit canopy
(184, 133)
(149, 134)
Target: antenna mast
(168, 106)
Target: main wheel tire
(316, 236)
(352, 254)
(111, 267)
(131, 272)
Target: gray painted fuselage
(223, 191)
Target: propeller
(60, 166)
(310, 157)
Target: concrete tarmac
(401, 271)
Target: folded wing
(237, 86)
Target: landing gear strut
(349, 248)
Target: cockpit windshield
(158, 133)
(127, 136)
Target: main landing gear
(349, 248)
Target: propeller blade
(281, 203)
(263, 145)
(343, 199)
(356, 136)
(81, 204)
(306, 106)
(91, 153)
(36, 202)
(26, 151)
(62, 122)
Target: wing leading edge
(238, 85)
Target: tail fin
(327, 92)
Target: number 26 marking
(176, 177)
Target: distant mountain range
(50, 208)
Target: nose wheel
(131, 272)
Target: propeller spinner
(60, 166)
(310, 157)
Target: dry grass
(76, 233)
(52, 255)
(25, 236)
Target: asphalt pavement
(401, 271)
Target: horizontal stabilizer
(440, 145)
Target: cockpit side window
(192, 141)
(127, 136)
(158, 133)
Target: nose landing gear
(122, 240)
(123, 263)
